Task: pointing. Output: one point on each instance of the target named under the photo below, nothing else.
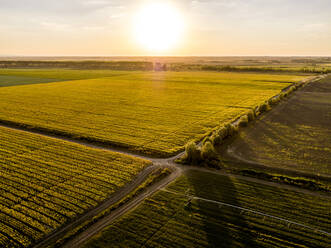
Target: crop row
(45, 183)
(173, 218)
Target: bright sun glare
(158, 26)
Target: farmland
(165, 124)
(147, 112)
(299, 130)
(46, 183)
(9, 77)
(168, 220)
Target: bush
(275, 100)
(291, 89)
(264, 107)
(207, 139)
(234, 129)
(230, 130)
(243, 121)
(219, 135)
(208, 152)
(256, 111)
(251, 115)
(223, 132)
(193, 153)
(214, 139)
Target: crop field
(10, 77)
(299, 130)
(148, 112)
(168, 220)
(45, 183)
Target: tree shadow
(223, 225)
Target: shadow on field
(224, 226)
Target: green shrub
(208, 152)
(264, 107)
(274, 101)
(292, 89)
(243, 121)
(256, 111)
(207, 139)
(193, 153)
(214, 139)
(235, 129)
(251, 115)
(223, 132)
(230, 130)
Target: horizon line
(151, 56)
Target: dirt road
(79, 240)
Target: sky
(209, 28)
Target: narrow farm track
(97, 227)
(116, 213)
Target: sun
(158, 26)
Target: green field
(299, 130)
(45, 183)
(13, 77)
(167, 220)
(148, 112)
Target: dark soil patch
(295, 136)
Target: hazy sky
(212, 27)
